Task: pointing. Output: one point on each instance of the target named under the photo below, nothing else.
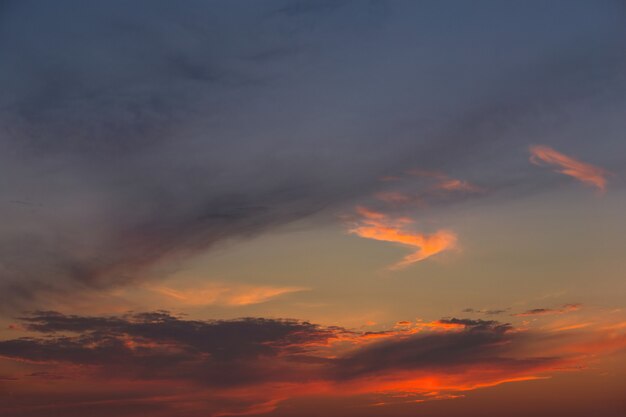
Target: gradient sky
(312, 208)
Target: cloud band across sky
(247, 364)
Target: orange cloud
(586, 173)
(220, 294)
(378, 226)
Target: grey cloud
(494, 312)
(177, 362)
(566, 308)
(482, 342)
(157, 345)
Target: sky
(312, 208)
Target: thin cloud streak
(453, 184)
(378, 226)
(445, 182)
(567, 308)
(430, 187)
(584, 172)
(221, 294)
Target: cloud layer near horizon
(252, 364)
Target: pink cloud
(586, 173)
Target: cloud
(149, 162)
(438, 187)
(477, 349)
(444, 182)
(239, 366)
(584, 172)
(567, 308)
(453, 184)
(486, 312)
(156, 133)
(158, 346)
(223, 294)
(378, 226)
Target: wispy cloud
(488, 312)
(224, 294)
(419, 188)
(567, 308)
(584, 172)
(444, 182)
(379, 226)
(453, 184)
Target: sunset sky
(312, 208)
